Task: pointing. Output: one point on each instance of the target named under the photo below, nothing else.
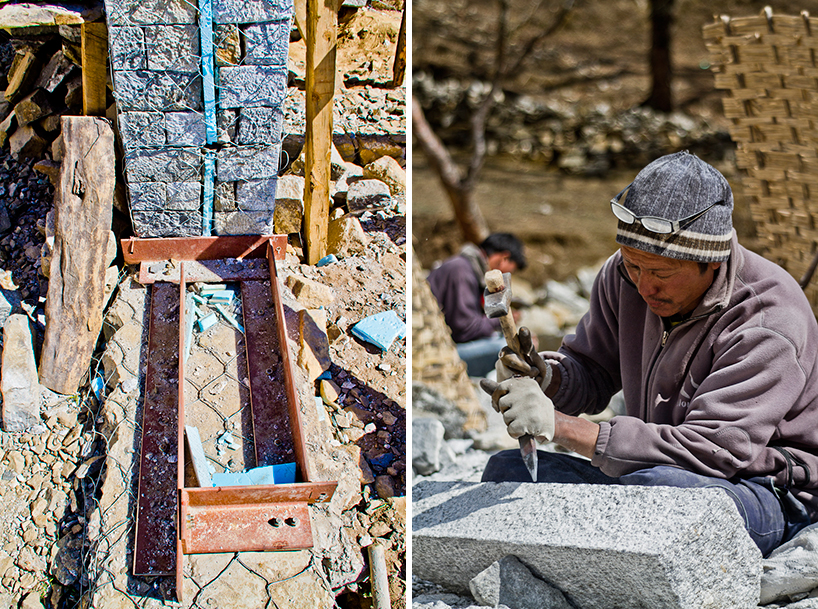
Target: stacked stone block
(156, 57)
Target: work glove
(509, 364)
(525, 408)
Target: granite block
(227, 126)
(267, 44)
(243, 223)
(173, 48)
(252, 86)
(251, 11)
(144, 12)
(602, 546)
(224, 197)
(185, 128)
(127, 45)
(256, 195)
(163, 165)
(240, 163)
(142, 129)
(260, 125)
(142, 90)
(227, 45)
(159, 196)
(167, 223)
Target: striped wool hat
(677, 187)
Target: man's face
(502, 261)
(667, 285)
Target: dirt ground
(598, 57)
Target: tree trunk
(460, 192)
(661, 18)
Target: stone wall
(201, 126)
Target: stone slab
(173, 47)
(20, 384)
(260, 125)
(252, 86)
(227, 45)
(792, 568)
(145, 12)
(256, 195)
(224, 196)
(185, 128)
(164, 165)
(267, 44)
(368, 194)
(241, 163)
(509, 582)
(251, 11)
(602, 546)
(157, 91)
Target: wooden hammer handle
(495, 283)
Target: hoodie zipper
(662, 343)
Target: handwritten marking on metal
(156, 534)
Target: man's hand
(509, 364)
(525, 408)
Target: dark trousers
(771, 515)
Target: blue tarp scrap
(380, 329)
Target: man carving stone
(716, 350)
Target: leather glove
(509, 364)
(525, 408)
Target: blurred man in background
(458, 286)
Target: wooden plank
(321, 36)
(301, 17)
(94, 73)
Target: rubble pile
(579, 139)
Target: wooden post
(94, 73)
(322, 24)
(399, 67)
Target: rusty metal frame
(238, 518)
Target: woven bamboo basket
(768, 66)
(435, 361)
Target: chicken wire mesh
(199, 91)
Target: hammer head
(497, 303)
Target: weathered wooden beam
(322, 25)
(301, 17)
(76, 285)
(94, 73)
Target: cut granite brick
(127, 46)
(251, 86)
(256, 195)
(237, 164)
(167, 223)
(227, 44)
(260, 125)
(224, 197)
(602, 546)
(243, 223)
(163, 165)
(157, 91)
(142, 129)
(185, 128)
(147, 196)
(251, 11)
(173, 48)
(159, 196)
(145, 12)
(227, 126)
(267, 44)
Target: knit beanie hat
(676, 187)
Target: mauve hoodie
(713, 395)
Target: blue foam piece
(327, 260)
(380, 329)
(385, 460)
(326, 375)
(284, 473)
